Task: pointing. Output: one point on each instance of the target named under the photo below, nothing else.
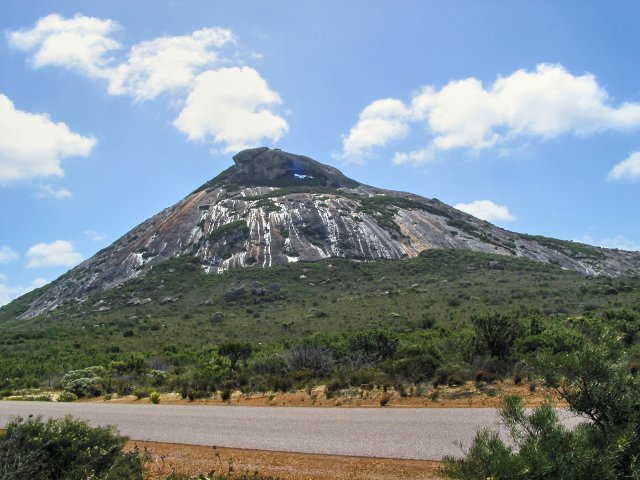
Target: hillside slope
(276, 208)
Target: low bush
(67, 397)
(65, 449)
(141, 392)
(87, 382)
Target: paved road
(426, 434)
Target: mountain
(275, 208)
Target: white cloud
(55, 254)
(8, 293)
(543, 103)
(487, 210)
(94, 236)
(230, 106)
(628, 169)
(620, 242)
(7, 255)
(80, 43)
(167, 63)
(48, 191)
(382, 121)
(32, 145)
(417, 157)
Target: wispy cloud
(48, 191)
(7, 254)
(464, 114)
(94, 236)
(9, 293)
(620, 242)
(628, 169)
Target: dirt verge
(469, 395)
(194, 459)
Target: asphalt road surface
(409, 433)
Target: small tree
(497, 333)
(374, 345)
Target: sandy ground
(192, 460)
(469, 395)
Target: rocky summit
(274, 208)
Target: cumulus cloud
(382, 121)
(229, 106)
(487, 210)
(544, 103)
(167, 63)
(628, 169)
(7, 255)
(59, 253)
(80, 43)
(9, 293)
(33, 146)
(238, 109)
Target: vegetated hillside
(176, 317)
(276, 208)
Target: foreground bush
(599, 385)
(65, 448)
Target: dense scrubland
(446, 317)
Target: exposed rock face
(274, 208)
(266, 167)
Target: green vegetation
(572, 249)
(234, 230)
(462, 225)
(288, 190)
(443, 317)
(65, 448)
(217, 180)
(599, 380)
(70, 449)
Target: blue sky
(523, 113)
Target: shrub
(309, 356)
(155, 398)
(87, 382)
(67, 397)
(65, 449)
(225, 394)
(375, 345)
(141, 392)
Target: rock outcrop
(273, 208)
